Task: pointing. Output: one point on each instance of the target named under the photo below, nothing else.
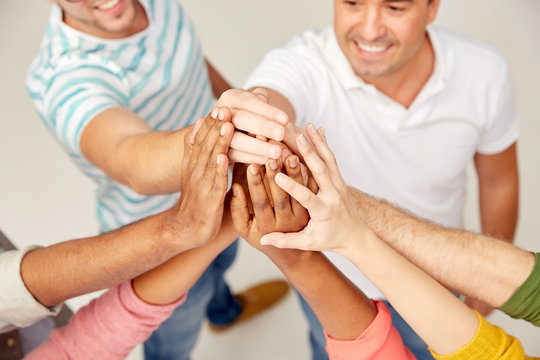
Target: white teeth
(372, 49)
(108, 5)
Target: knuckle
(261, 204)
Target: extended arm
(114, 257)
(444, 322)
(311, 273)
(112, 325)
(450, 256)
(219, 84)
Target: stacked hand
(254, 121)
(334, 218)
(199, 210)
(272, 208)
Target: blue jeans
(210, 296)
(318, 342)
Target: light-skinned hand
(334, 218)
(254, 121)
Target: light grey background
(44, 199)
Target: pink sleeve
(107, 328)
(379, 341)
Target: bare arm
(106, 260)
(450, 256)
(498, 184)
(444, 322)
(219, 84)
(344, 316)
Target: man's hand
(334, 218)
(285, 215)
(252, 115)
(204, 179)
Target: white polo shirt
(416, 158)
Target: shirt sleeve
(502, 127)
(490, 342)
(109, 327)
(525, 302)
(379, 341)
(17, 305)
(68, 100)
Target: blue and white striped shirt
(158, 73)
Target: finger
(200, 142)
(298, 191)
(314, 163)
(239, 177)
(195, 130)
(280, 199)
(285, 241)
(217, 169)
(239, 210)
(258, 125)
(252, 102)
(243, 157)
(318, 139)
(261, 205)
(204, 147)
(253, 145)
(221, 113)
(293, 168)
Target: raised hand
(280, 214)
(251, 114)
(204, 178)
(334, 218)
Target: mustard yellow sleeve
(490, 342)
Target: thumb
(282, 240)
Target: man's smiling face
(379, 37)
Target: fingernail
(281, 117)
(214, 113)
(234, 191)
(273, 164)
(253, 169)
(293, 162)
(321, 132)
(218, 160)
(285, 153)
(221, 115)
(310, 127)
(264, 241)
(223, 130)
(277, 133)
(302, 139)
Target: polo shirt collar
(350, 80)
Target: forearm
(444, 322)
(171, 280)
(219, 84)
(343, 317)
(499, 204)
(150, 163)
(449, 256)
(68, 269)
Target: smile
(372, 48)
(108, 5)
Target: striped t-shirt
(158, 73)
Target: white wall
(44, 199)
